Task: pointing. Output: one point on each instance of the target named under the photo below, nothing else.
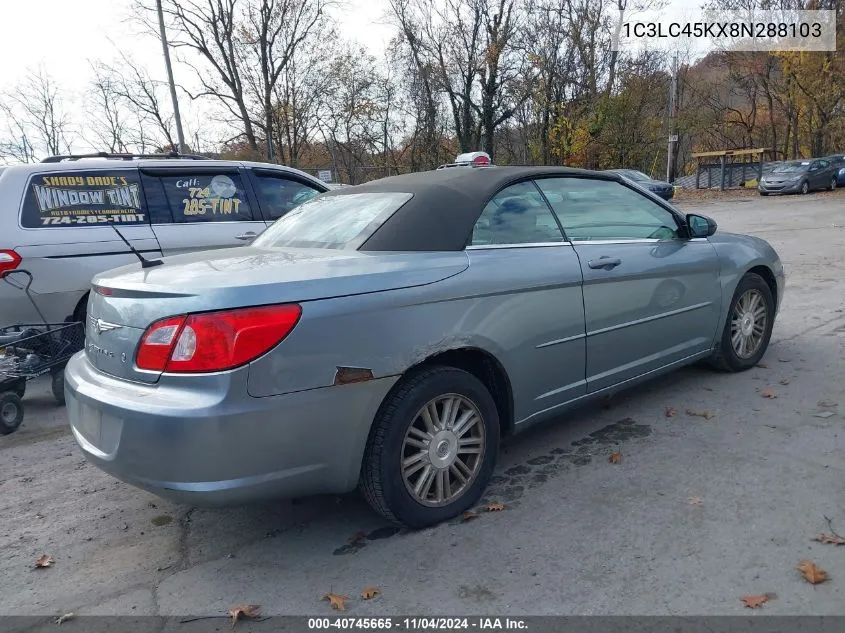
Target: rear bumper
(203, 440)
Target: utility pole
(179, 134)
(673, 137)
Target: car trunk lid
(125, 301)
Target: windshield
(790, 167)
(343, 221)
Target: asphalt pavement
(719, 500)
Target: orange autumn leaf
(246, 611)
(495, 507)
(707, 415)
(830, 539)
(469, 515)
(44, 561)
(615, 457)
(370, 592)
(755, 602)
(336, 601)
(812, 573)
(357, 537)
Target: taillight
(9, 260)
(215, 341)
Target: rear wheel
(11, 412)
(748, 327)
(432, 448)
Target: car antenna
(145, 263)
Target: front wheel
(11, 412)
(748, 327)
(805, 188)
(432, 448)
(832, 185)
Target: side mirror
(700, 225)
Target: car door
(817, 175)
(528, 301)
(278, 192)
(200, 208)
(651, 297)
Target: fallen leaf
(244, 611)
(670, 412)
(830, 539)
(755, 602)
(768, 393)
(64, 618)
(336, 601)
(707, 415)
(495, 507)
(762, 366)
(695, 501)
(784, 381)
(370, 592)
(812, 573)
(469, 515)
(615, 457)
(827, 404)
(357, 537)
(44, 561)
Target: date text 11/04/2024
(418, 624)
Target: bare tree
(36, 117)
(108, 123)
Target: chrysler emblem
(101, 326)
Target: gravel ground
(698, 513)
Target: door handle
(249, 235)
(604, 262)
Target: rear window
(83, 198)
(341, 221)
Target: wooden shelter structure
(728, 162)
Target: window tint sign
(83, 199)
(209, 197)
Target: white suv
(56, 214)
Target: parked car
(387, 335)
(799, 176)
(837, 162)
(58, 213)
(659, 187)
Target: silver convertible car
(388, 335)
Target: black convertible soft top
(446, 203)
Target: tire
(81, 309)
(805, 188)
(19, 388)
(58, 387)
(832, 185)
(727, 357)
(764, 193)
(11, 412)
(383, 483)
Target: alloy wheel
(443, 450)
(748, 323)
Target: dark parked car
(799, 176)
(659, 187)
(838, 163)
